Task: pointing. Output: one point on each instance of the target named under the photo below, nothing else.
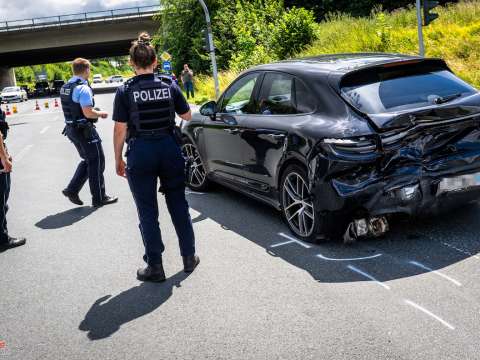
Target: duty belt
(154, 133)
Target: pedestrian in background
(144, 115)
(6, 241)
(187, 81)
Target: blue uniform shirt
(121, 111)
(82, 94)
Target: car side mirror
(209, 109)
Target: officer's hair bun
(142, 53)
(144, 38)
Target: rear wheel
(196, 175)
(298, 207)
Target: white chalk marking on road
(446, 277)
(44, 130)
(461, 251)
(368, 276)
(188, 192)
(429, 313)
(290, 241)
(323, 257)
(22, 153)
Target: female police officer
(144, 115)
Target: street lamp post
(421, 46)
(211, 48)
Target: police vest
(71, 110)
(151, 105)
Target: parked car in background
(42, 88)
(339, 143)
(97, 79)
(13, 94)
(56, 86)
(115, 79)
(28, 90)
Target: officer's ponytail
(142, 53)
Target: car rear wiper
(445, 99)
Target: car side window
(238, 98)
(305, 102)
(277, 95)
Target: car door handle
(232, 131)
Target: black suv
(338, 143)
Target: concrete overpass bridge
(65, 37)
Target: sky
(27, 9)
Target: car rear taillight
(351, 148)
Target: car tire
(197, 179)
(298, 208)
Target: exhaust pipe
(363, 228)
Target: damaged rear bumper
(405, 180)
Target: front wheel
(196, 175)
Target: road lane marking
(323, 257)
(22, 153)
(44, 130)
(429, 313)
(368, 276)
(446, 277)
(290, 241)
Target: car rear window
(391, 90)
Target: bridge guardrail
(79, 18)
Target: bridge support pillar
(7, 77)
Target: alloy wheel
(197, 172)
(297, 205)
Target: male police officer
(78, 107)
(146, 106)
(6, 241)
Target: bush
(294, 31)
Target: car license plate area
(459, 183)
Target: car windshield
(11, 89)
(397, 92)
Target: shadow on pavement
(434, 242)
(108, 314)
(65, 218)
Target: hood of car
(11, 93)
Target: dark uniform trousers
(92, 165)
(4, 194)
(149, 159)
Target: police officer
(78, 108)
(6, 241)
(144, 115)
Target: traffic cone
(46, 105)
(37, 107)
(8, 111)
(14, 108)
(56, 103)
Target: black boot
(190, 263)
(13, 243)
(107, 200)
(74, 198)
(154, 273)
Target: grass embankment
(454, 36)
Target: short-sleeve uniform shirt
(82, 94)
(121, 111)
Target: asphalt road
(258, 293)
